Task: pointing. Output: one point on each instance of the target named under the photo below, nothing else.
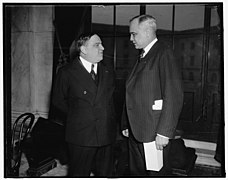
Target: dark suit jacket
(89, 108)
(155, 77)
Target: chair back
(21, 128)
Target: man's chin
(137, 47)
(99, 60)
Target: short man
(83, 90)
(154, 96)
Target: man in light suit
(154, 96)
(83, 90)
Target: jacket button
(85, 92)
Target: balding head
(143, 30)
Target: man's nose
(131, 37)
(101, 47)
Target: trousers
(84, 160)
(137, 164)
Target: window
(102, 11)
(163, 15)
(192, 45)
(192, 59)
(189, 17)
(191, 76)
(182, 46)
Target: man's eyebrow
(97, 43)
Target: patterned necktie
(93, 73)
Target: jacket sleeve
(172, 94)
(60, 91)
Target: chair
(181, 158)
(21, 129)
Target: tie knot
(92, 67)
(93, 74)
(142, 53)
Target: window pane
(215, 20)
(102, 14)
(189, 17)
(188, 49)
(214, 55)
(214, 62)
(214, 84)
(102, 20)
(125, 12)
(102, 23)
(163, 15)
(126, 54)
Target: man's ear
(148, 32)
(83, 50)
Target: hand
(125, 133)
(161, 142)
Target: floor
(58, 171)
(61, 170)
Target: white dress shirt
(149, 46)
(88, 65)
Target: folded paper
(157, 105)
(153, 157)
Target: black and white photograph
(113, 89)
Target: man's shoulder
(162, 44)
(68, 66)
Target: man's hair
(82, 40)
(146, 18)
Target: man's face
(138, 34)
(94, 49)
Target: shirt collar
(88, 65)
(148, 47)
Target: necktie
(93, 73)
(141, 54)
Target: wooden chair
(20, 131)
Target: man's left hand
(161, 142)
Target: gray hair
(150, 20)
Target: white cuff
(162, 136)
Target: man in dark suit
(154, 96)
(83, 89)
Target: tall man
(83, 89)
(154, 96)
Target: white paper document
(153, 157)
(157, 105)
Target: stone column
(32, 37)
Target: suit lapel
(103, 74)
(84, 78)
(132, 72)
(140, 66)
(86, 81)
